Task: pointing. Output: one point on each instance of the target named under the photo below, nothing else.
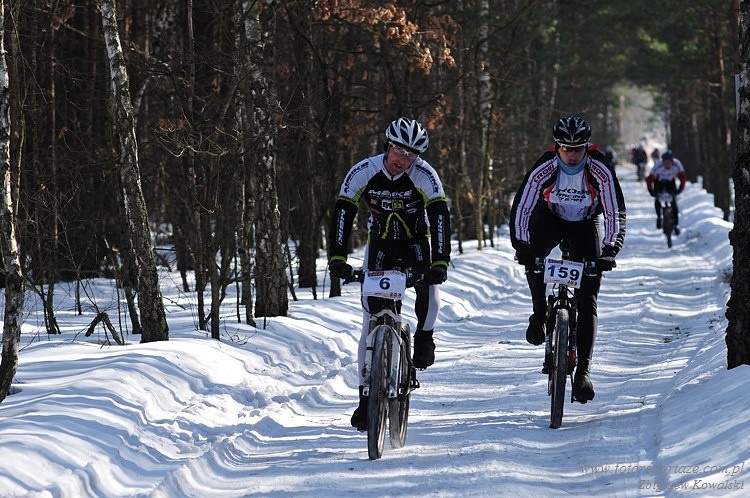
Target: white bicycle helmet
(409, 133)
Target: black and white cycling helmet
(409, 133)
(571, 131)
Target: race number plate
(562, 271)
(389, 284)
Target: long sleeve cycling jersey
(581, 196)
(660, 174)
(404, 207)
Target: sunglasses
(573, 148)
(405, 153)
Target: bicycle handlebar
(413, 277)
(590, 268)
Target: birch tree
(270, 279)
(14, 291)
(484, 107)
(140, 249)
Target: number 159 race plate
(562, 271)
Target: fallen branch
(103, 317)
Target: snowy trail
(483, 405)
(265, 412)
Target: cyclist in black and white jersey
(409, 221)
(562, 196)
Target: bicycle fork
(392, 324)
(395, 361)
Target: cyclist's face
(571, 155)
(668, 163)
(398, 159)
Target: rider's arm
(341, 228)
(650, 183)
(429, 185)
(682, 178)
(347, 205)
(440, 231)
(613, 206)
(528, 196)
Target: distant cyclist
(640, 158)
(662, 179)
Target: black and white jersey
(405, 207)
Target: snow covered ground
(266, 412)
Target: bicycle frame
(563, 298)
(389, 376)
(561, 324)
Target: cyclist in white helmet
(664, 177)
(409, 221)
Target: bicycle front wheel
(377, 404)
(667, 223)
(559, 371)
(398, 411)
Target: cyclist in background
(662, 179)
(610, 156)
(409, 221)
(640, 158)
(562, 196)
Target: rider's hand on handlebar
(605, 264)
(437, 275)
(524, 255)
(607, 260)
(340, 269)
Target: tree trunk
(14, 291)
(484, 108)
(738, 313)
(270, 278)
(153, 318)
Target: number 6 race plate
(562, 271)
(389, 284)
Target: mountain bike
(389, 375)
(666, 215)
(561, 356)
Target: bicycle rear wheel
(559, 371)
(398, 410)
(377, 404)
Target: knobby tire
(377, 405)
(398, 411)
(559, 371)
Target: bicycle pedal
(413, 381)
